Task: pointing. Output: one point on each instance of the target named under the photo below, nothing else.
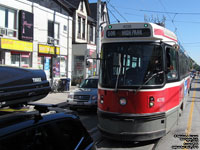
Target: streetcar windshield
(131, 64)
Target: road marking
(191, 112)
(189, 125)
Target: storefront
(49, 58)
(16, 53)
(84, 62)
(92, 63)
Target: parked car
(42, 128)
(85, 96)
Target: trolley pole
(98, 35)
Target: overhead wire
(162, 12)
(183, 21)
(116, 10)
(114, 16)
(192, 43)
(172, 20)
(108, 1)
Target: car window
(89, 83)
(39, 138)
(53, 136)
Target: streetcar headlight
(151, 104)
(123, 101)
(151, 101)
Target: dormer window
(83, 33)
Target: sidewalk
(56, 98)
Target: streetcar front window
(131, 64)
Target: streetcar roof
(136, 32)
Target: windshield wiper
(153, 75)
(120, 66)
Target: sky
(182, 17)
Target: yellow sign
(16, 45)
(46, 49)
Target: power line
(167, 12)
(163, 12)
(108, 1)
(114, 16)
(172, 20)
(183, 21)
(117, 11)
(192, 43)
(134, 14)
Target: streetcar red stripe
(161, 32)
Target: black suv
(36, 126)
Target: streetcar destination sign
(128, 33)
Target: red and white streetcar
(143, 82)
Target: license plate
(80, 103)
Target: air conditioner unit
(56, 41)
(11, 33)
(50, 40)
(2, 31)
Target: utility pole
(98, 34)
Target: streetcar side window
(171, 60)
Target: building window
(50, 29)
(8, 21)
(91, 33)
(63, 66)
(83, 34)
(56, 33)
(79, 27)
(53, 33)
(56, 67)
(65, 28)
(81, 5)
(78, 70)
(21, 59)
(15, 60)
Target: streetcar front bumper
(131, 127)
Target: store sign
(128, 33)
(25, 25)
(46, 49)
(16, 45)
